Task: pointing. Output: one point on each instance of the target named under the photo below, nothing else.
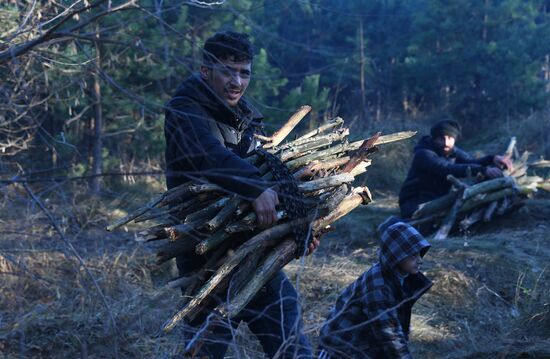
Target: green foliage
(308, 93)
(477, 60)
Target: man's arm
(190, 140)
(428, 161)
(500, 162)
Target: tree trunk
(97, 135)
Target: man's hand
(264, 207)
(503, 161)
(313, 246)
(493, 172)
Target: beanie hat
(446, 127)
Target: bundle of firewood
(200, 218)
(474, 200)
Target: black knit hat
(446, 127)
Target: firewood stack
(472, 200)
(321, 166)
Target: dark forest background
(84, 83)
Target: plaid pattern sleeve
(363, 323)
(385, 329)
(371, 317)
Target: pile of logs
(200, 218)
(472, 201)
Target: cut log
(510, 149)
(360, 195)
(488, 186)
(273, 263)
(176, 248)
(505, 205)
(450, 219)
(489, 211)
(332, 181)
(255, 243)
(248, 223)
(361, 153)
(211, 242)
(207, 213)
(316, 166)
(337, 121)
(281, 134)
(436, 206)
(314, 144)
(471, 219)
(180, 231)
(224, 215)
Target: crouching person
(371, 318)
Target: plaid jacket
(371, 318)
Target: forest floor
(86, 293)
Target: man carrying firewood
(209, 129)
(435, 157)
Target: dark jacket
(207, 138)
(371, 318)
(427, 177)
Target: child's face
(410, 265)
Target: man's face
(229, 79)
(445, 143)
(410, 265)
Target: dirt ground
(80, 292)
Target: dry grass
(490, 299)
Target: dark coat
(207, 138)
(371, 318)
(427, 177)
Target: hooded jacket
(371, 317)
(205, 138)
(427, 177)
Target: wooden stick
(487, 198)
(191, 189)
(326, 182)
(224, 215)
(206, 270)
(489, 211)
(148, 206)
(366, 147)
(211, 242)
(154, 233)
(337, 121)
(435, 206)
(510, 149)
(314, 167)
(208, 212)
(450, 219)
(180, 231)
(385, 139)
(248, 223)
(337, 149)
(255, 243)
(471, 219)
(175, 248)
(360, 195)
(488, 186)
(504, 206)
(360, 168)
(271, 265)
(281, 134)
(316, 143)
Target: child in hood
(371, 318)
